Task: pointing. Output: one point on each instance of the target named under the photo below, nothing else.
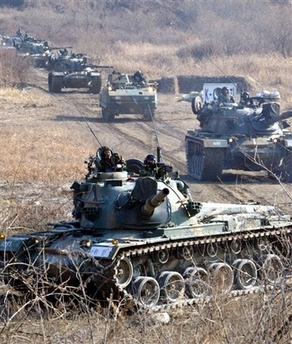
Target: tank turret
(147, 241)
(239, 135)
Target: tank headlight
(2, 236)
(86, 243)
(115, 242)
(36, 240)
(275, 140)
(230, 140)
(109, 88)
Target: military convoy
(145, 240)
(128, 94)
(248, 135)
(36, 50)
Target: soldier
(225, 96)
(109, 160)
(18, 33)
(150, 166)
(139, 78)
(245, 99)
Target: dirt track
(131, 136)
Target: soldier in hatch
(225, 96)
(110, 160)
(150, 166)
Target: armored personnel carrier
(249, 135)
(128, 94)
(73, 71)
(144, 239)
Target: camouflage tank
(128, 94)
(146, 241)
(73, 71)
(36, 50)
(250, 135)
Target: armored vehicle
(141, 238)
(38, 52)
(248, 135)
(73, 71)
(128, 94)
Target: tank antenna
(220, 70)
(85, 120)
(91, 130)
(159, 155)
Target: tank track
(271, 267)
(204, 163)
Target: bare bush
(13, 69)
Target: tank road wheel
(55, 84)
(186, 253)
(245, 273)
(263, 244)
(236, 246)
(107, 115)
(221, 277)
(197, 104)
(172, 285)
(161, 256)
(204, 163)
(146, 290)
(197, 282)
(272, 269)
(95, 85)
(211, 249)
(124, 272)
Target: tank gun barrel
(153, 202)
(55, 48)
(285, 115)
(98, 66)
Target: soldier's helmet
(225, 91)
(150, 159)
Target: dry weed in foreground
(259, 318)
(13, 69)
(25, 97)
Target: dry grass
(259, 318)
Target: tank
(146, 241)
(73, 71)
(128, 94)
(249, 135)
(36, 50)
